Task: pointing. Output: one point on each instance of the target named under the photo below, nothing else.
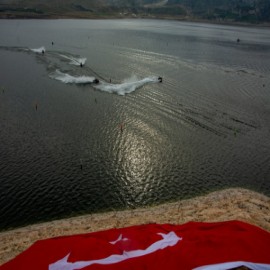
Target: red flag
(194, 245)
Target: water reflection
(136, 156)
(204, 128)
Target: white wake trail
(75, 61)
(69, 79)
(127, 86)
(39, 50)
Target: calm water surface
(69, 147)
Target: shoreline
(137, 17)
(229, 204)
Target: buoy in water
(81, 164)
(121, 127)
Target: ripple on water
(82, 150)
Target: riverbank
(117, 16)
(229, 204)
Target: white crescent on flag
(168, 240)
(194, 245)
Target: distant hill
(251, 11)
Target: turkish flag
(194, 245)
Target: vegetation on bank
(246, 11)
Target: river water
(69, 146)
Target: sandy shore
(229, 204)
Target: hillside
(251, 11)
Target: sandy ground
(229, 204)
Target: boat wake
(38, 50)
(69, 79)
(127, 86)
(75, 61)
(56, 62)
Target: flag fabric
(194, 245)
